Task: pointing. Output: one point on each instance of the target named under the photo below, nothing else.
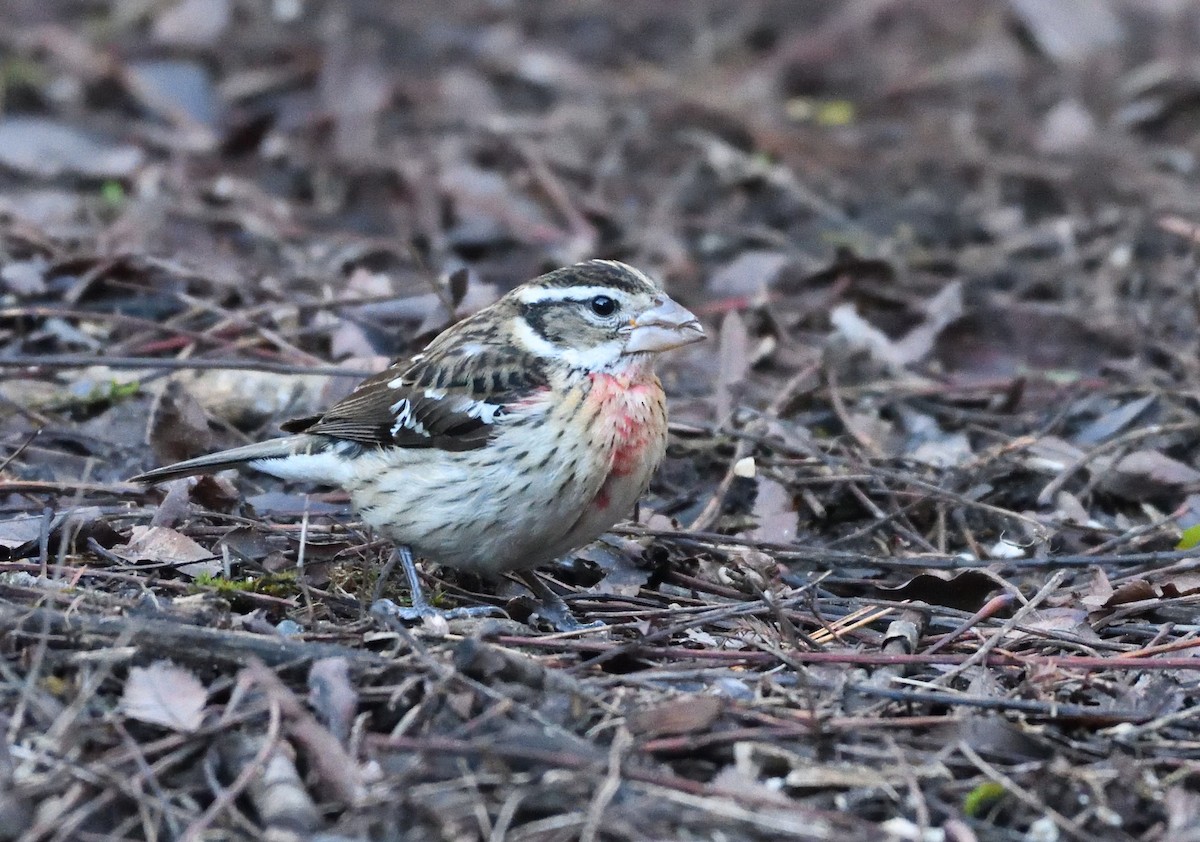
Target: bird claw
(571, 625)
(386, 609)
(552, 608)
(560, 617)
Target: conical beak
(663, 327)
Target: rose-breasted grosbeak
(519, 434)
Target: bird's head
(598, 315)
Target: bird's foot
(420, 610)
(552, 608)
(560, 617)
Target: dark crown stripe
(592, 273)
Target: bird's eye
(602, 305)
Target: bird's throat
(627, 411)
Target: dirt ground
(921, 563)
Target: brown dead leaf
(216, 493)
(987, 732)
(164, 694)
(749, 273)
(929, 444)
(350, 340)
(733, 780)
(1145, 474)
(161, 545)
(46, 148)
(247, 543)
(24, 277)
(733, 363)
(19, 531)
(1100, 590)
(1184, 584)
(44, 208)
(1051, 455)
(1115, 420)
(966, 591)
(489, 208)
(619, 559)
(176, 505)
(178, 426)
(193, 23)
(1133, 591)
(1069, 509)
(940, 311)
(248, 398)
(1007, 342)
(1069, 31)
(683, 715)
(1070, 620)
(776, 515)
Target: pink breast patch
(627, 413)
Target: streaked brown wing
(449, 401)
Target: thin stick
(87, 360)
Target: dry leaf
(1069, 31)
(1100, 590)
(248, 398)
(967, 590)
(350, 340)
(1114, 421)
(19, 531)
(684, 715)
(940, 311)
(1144, 474)
(24, 277)
(618, 557)
(774, 512)
(1070, 620)
(733, 363)
(1183, 814)
(161, 545)
(1051, 455)
(987, 343)
(164, 694)
(929, 444)
(46, 148)
(193, 23)
(1183, 584)
(178, 426)
(749, 273)
(1136, 590)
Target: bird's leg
(551, 605)
(420, 607)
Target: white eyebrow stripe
(539, 296)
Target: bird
(517, 435)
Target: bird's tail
(259, 456)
